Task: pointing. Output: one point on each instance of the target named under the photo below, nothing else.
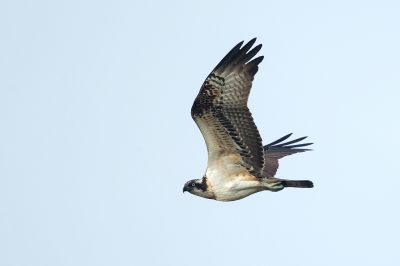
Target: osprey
(238, 164)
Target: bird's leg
(272, 185)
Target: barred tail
(297, 183)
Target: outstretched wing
(220, 109)
(277, 150)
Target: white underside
(229, 181)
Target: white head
(198, 187)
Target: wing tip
(241, 54)
(278, 143)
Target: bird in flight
(238, 164)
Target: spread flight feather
(220, 109)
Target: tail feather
(297, 183)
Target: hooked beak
(185, 189)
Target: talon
(274, 187)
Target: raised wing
(277, 150)
(220, 109)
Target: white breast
(230, 181)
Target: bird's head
(198, 187)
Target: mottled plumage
(238, 164)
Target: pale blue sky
(97, 141)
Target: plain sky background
(96, 138)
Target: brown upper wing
(277, 150)
(220, 109)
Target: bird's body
(238, 164)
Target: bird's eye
(193, 184)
